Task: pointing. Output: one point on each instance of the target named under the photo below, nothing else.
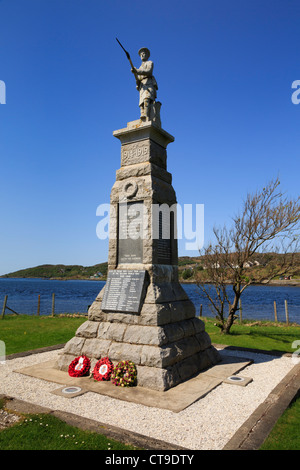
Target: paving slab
(175, 399)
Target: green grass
(285, 434)
(46, 432)
(26, 332)
(267, 336)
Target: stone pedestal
(143, 314)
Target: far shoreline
(276, 282)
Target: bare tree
(268, 223)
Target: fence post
(275, 311)
(38, 305)
(286, 312)
(200, 310)
(53, 304)
(4, 306)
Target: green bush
(187, 273)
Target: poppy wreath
(103, 369)
(124, 374)
(79, 367)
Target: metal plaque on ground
(123, 290)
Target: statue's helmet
(146, 50)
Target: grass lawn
(46, 432)
(25, 332)
(268, 336)
(285, 434)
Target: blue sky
(224, 71)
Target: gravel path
(207, 424)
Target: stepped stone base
(166, 341)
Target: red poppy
(103, 369)
(79, 367)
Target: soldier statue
(146, 85)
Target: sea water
(75, 296)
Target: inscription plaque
(164, 242)
(144, 151)
(130, 233)
(134, 153)
(123, 290)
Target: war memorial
(143, 314)
(142, 332)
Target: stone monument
(143, 314)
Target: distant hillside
(60, 271)
(192, 268)
(189, 269)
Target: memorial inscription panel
(164, 242)
(130, 233)
(124, 290)
(137, 152)
(144, 151)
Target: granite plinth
(151, 323)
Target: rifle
(132, 66)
